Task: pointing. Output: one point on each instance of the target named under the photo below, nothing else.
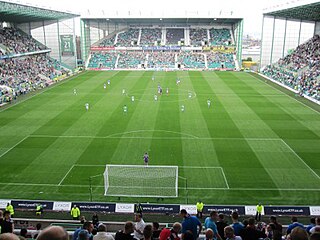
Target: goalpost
(141, 181)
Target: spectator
(53, 233)
(221, 224)
(190, 223)
(139, 226)
(38, 230)
(315, 236)
(209, 234)
(276, 228)
(23, 232)
(7, 223)
(229, 234)
(95, 220)
(298, 233)
(210, 223)
(156, 230)
(250, 232)
(11, 236)
(167, 234)
(294, 224)
(102, 233)
(236, 225)
(88, 226)
(311, 225)
(83, 235)
(126, 233)
(316, 228)
(147, 232)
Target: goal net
(141, 181)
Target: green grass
(255, 144)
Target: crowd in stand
(161, 59)
(108, 42)
(131, 59)
(214, 227)
(174, 35)
(103, 59)
(192, 59)
(126, 38)
(220, 36)
(299, 70)
(197, 36)
(220, 60)
(15, 41)
(150, 36)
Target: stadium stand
(103, 59)
(192, 60)
(174, 35)
(107, 42)
(131, 59)
(197, 36)
(126, 38)
(299, 70)
(150, 36)
(220, 60)
(161, 59)
(220, 36)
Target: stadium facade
(101, 33)
(286, 27)
(51, 28)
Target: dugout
(52, 28)
(285, 27)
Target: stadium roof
(160, 21)
(307, 12)
(22, 13)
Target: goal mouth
(141, 181)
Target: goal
(141, 181)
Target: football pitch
(254, 143)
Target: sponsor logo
(62, 206)
(3, 203)
(124, 208)
(315, 211)
(191, 209)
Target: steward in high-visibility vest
(39, 209)
(199, 209)
(75, 212)
(259, 209)
(10, 209)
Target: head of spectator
(229, 232)
(23, 232)
(315, 236)
(235, 216)
(53, 233)
(294, 219)
(102, 228)
(38, 226)
(137, 217)
(82, 219)
(176, 227)
(156, 230)
(88, 226)
(83, 235)
(251, 223)
(183, 213)
(9, 236)
(273, 219)
(6, 215)
(221, 217)
(313, 220)
(147, 232)
(209, 234)
(128, 227)
(214, 216)
(298, 234)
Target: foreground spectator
(294, 224)
(236, 225)
(88, 226)
(315, 236)
(250, 232)
(172, 234)
(316, 228)
(102, 233)
(126, 233)
(229, 234)
(147, 232)
(221, 224)
(276, 228)
(209, 234)
(298, 233)
(53, 233)
(156, 230)
(311, 225)
(7, 223)
(139, 226)
(190, 224)
(210, 223)
(10, 236)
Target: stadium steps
(139, 36)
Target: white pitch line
(225, 178)
(66, 175)
(14, 146)
(301, 159)
(192, 137)
(191, 188)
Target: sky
(250, 10)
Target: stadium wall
(317, 28)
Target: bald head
(53, 233)
(8, 236)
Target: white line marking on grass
(196, 188)
(300, 159)
(66, 175)
(13, 146)
(289, 96)
(225, 179)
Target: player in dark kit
(146, 159)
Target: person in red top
(171, 234)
